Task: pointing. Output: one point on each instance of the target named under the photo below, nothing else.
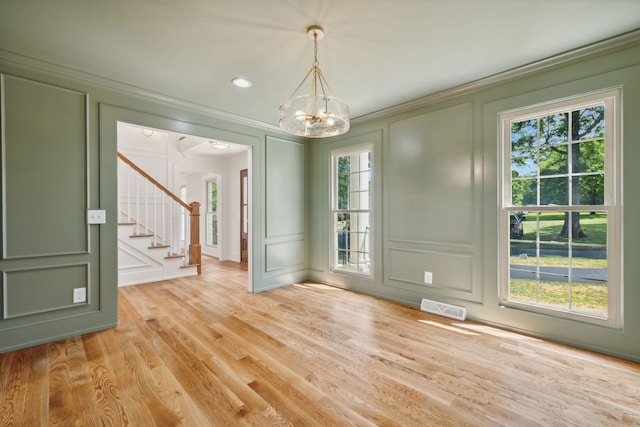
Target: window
(352, 184)
(560, 205)
(211, 219)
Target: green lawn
(559, 262)
(594, 226)
(585, 297)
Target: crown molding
(609, 45)
(38, 65)
(604, 46)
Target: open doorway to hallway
(162, 177)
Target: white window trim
(332, 156)
(612, 200)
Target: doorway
(187, 164)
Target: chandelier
(318, 113)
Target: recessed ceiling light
(241, 82)
(219, 145)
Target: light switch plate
(96, 216)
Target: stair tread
(158, 246)
(126, 223)
(141, 235)
(188, 265)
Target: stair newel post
(195, 253)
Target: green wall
(436, 193)
(50, 177)
(58, 159)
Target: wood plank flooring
(204, 352)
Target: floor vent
(443, 309)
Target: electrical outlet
(428, 277)
(96, 216)
(79, 295)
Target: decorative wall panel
(32, 291)
(429, 177)
(44, 173)
(452, 273)
(285, 183)
(282, 255)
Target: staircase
(142, 261)
(158, 234)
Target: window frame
(333, 157)
(612, 204)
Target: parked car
(515, 227)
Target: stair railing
(156, 212)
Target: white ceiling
(375, 53)
(139, 138)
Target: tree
(586, 123)
(542, 146)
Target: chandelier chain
(315, 50)
(317, 74)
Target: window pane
(590, 156)
(590, 190)
(343, 181)
(524, 134)
(359, 192)
(524, 192)
(212, 196)
(594, 229)
(553, 129)
(591, 264)
(341, 238)
(524, 164)
(211, 226)
(211, 222)
(553, 290)
(553, 160)
(352, 242)
(548, 225)
(553, 191)
(588, 122)
(354, 181)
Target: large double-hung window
(352, 214)
(560, 222)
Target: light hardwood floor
(204, 352)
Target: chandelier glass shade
(317, 113)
